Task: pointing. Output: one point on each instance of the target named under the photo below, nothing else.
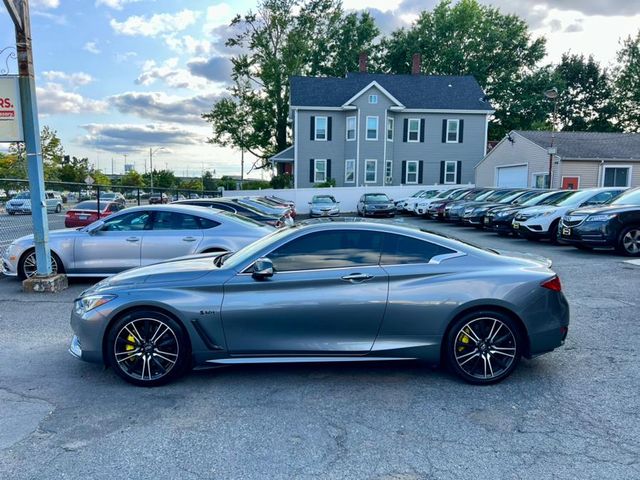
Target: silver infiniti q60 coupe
(135, 237)
(325, 291)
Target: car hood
(55, 235)
(182, 269)
(605, 209)
(539, 210)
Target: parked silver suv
(21, 203)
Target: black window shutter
(329, 129)
(420, 171)
(422, 127)
(312, 128)
(312, 165)
(460, 130)
(442, 172)
(459, 172)
(405, 129)
(444, 130)
(329, 165)
(404, 171)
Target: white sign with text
(10, 115)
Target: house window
(350, 171)
(372, 128)
(321, 128)
(370, 171)
(453, 128)
(616, 176)
(450, 171)
(373, 99)
(351, 129)
(540, 180)
(390, 122)
(412, 172)
(319, 171)
(414, 130)
(388, 172)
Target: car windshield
(89, 205)
(376, 198)
(498, 195)
(631, 197)
(323, 199)
(460, 194)
(22, 196)
(483, 195)
(574, 199)
(474, 194)
(418, 194)
(510, 198)
(240, 218)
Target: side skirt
(320, 359)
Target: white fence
(347, 196)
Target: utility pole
(19, 13)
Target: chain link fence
(15, 202)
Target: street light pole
(552, 94)
(151, 152)
(19, 13)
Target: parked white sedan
(136, 237)
(542, 221)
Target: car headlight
(601, 218)
(88, 303)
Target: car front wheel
(27, 266)
(483, 347)
(629, 242)
(148, 348)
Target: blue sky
(116, 77)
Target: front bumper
(89, 330)
(593, 234)
(380, 212)
(324, 213)
(9, 263)
(475, 220)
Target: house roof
(284, 156)
(588, 145)
(413, 91)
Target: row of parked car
(589, 218)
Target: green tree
(72, 169)
(209, 183)
(192, 184)
(472, 39)
(132, 179)
(281, 39)
(586, 101)
(11, 166)
(161, 179)
(627, 83)
(100, 178)
(52, 153)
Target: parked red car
(86, 213)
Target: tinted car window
(376, 198)
(603, 197)
(128, 222)
(174, 221)
(400, 250)
(206, 223)
(335, 249)
(631, 197)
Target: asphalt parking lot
(570, 414)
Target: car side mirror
(95, 227)
(262, 269)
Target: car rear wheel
(553, 232)
(27, 266)
(629, 241)
(147, 348)
(58, 208)
(483, 347)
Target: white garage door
(512, 176)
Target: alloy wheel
(485, 348)
(30, 268)
(146, 349)
(631, 241)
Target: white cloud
(164, 107)
(124, 57)
(75, 79)
(54, 99)
(91, 47)
(159, 24)
(190, 45)
(127, 137)
(115, 4)
(218, 15)
(171, 74)
(45, 3)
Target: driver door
(327, 296)
(113, 248)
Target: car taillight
(552, 284)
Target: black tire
(26, 264)
(581, 246)
(553, 232)
(503, 234)
(131, 348)
(498, 342)
(58, 208)
(11, 213)
(629, 241)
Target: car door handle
(133, 239)
(357, 277)
(189, 239)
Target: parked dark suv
(158, 198)
(616, 225)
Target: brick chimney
(362, 62)
(416, 64)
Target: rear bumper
(547, 323)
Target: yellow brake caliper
(130, 346)
(464, 339)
